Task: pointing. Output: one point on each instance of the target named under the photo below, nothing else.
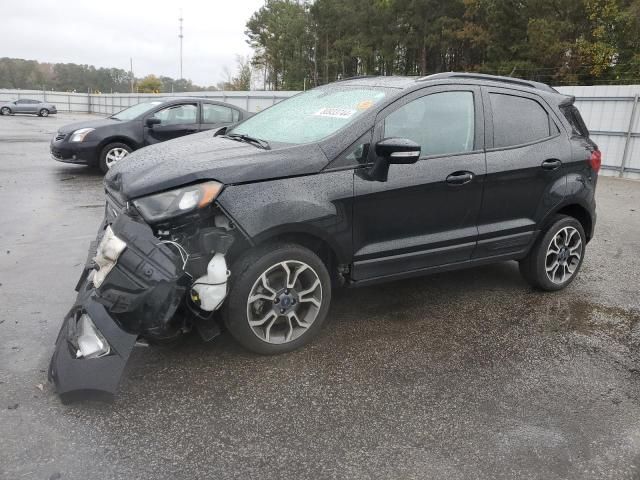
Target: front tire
(43, 113)
(555, 259)
(5, 111)
(279, 297)
(111, 154)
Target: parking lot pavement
(460, 375)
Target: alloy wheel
(6, 111)
(44, 112)
(115, 155)
(563, 255)
(284, 302)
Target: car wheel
(111, 154)
(278, 298)
(5, 111)
(43, 112)
(556, 257)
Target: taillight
(596, 160)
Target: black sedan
(103, 142)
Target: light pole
(180, 36)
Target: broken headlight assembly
(165, 205)
(85, 338)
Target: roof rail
(357, 77)
(490, 78)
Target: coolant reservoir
(212, 287)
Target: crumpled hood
(104, 122)
(202, 157)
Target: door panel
(416, 219)
(32, 107)
(20, 106)
(425, 214)
(520, 187)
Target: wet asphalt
(469, 374)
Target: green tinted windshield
(311, 116)
(133, 112)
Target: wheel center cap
(564, 254)
(286, 301)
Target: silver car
(24, 105)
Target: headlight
(78, 135)
(176, 202)
(91, 343)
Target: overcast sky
(107, 33)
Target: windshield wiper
(243, 137)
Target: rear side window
(218, 114)
(517, 120)
(441, 123)
(572, 114)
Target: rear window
(517, 120)
(572, 114)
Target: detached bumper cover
(72, 375)
(139, 296)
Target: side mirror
(398, 150)
(151, 121)
(220, 131)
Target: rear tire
(111, 154)
(294, 304)
(5, 111)
(557, 255)
(43, 113)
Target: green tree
(149, 84)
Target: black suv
(361, 181)
(102, 143)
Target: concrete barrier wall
(612, 113)
(110, 103)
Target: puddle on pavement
(579, 316)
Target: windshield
(311, 116)
(133, 112)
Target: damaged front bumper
(139, 296)
(75, 377)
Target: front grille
(56, 153)
(60, 136)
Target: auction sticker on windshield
(334, 112)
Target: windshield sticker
(334, 112)
(364, 105)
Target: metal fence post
(627, 143)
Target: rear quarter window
(572, 114)
(518, 120)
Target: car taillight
(596, 160)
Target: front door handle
(459, 178)
(551, 164)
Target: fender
(320, 205)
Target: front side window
(218, 114)
(313, 115)
(178, 114)
(517, 120)
(441, 123)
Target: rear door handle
(551, 164)
(459, 178)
